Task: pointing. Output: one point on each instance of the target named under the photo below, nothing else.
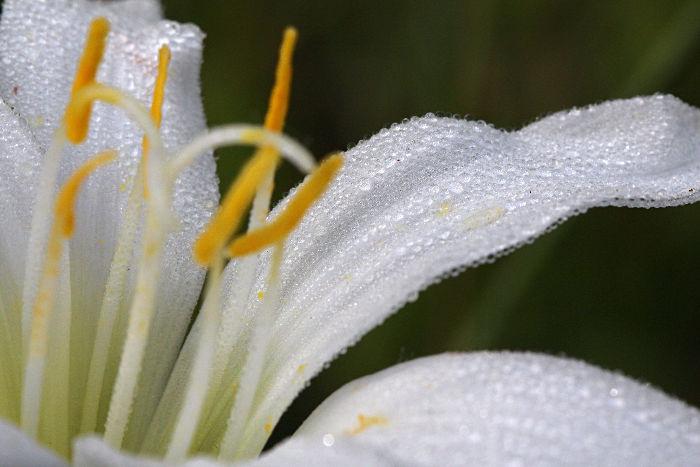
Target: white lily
(94, 314)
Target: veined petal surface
(432, 196)
(505, 409)
(40, 45)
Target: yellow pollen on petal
(77, 125)
(261, 294)
(443, 209)
(65, 201)
(274, 232)
(156, 106)
(366, 421)
(229, 215)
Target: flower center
(45, 319)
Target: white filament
(252, 369)
(111, 302)
(199, 377)
(41, 221)
(228, 135)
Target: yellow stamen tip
(65, 201)
(77, 125)
(274, 232)
(227, 219)
(279, 99)
(156, 105)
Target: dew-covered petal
(40, 44)
(432, 196)
(508, 409)
(17, 449)
(19, 167)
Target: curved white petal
(309, 452)
(40, 44)
(17, 449)
(506, 409)
(431, 196)
(94, 452)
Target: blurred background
(619, 288)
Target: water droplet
(456, 188)
(328, 440)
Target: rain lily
(109, 200)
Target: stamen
(41, 221)
(279, 98)
(198, 383)
(241, 193)
(252, 369)
(156, 106)
(227, 219)
(157, 220)
(85, 75)
(287, 220)
(140, 314)
(245, 272)
(138, 113)
(228, 135)
(159, 90)
(64, 220)
(120, 262)
(274, 121)
(203, 375)
(77, 127)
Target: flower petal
(40, 43)
(432, 196)
(19, 168)
(91, 451)
(18, 449)
(94, 452)
(507, 409)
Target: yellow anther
(65, 201)
(156, 106)
(77, 124)
(229, 215)
(287, 220)
(279, 98)
(239, 196)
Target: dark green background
(615, 287)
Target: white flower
(420, 200)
